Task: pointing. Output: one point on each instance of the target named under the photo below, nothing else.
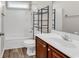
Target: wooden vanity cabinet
(41, 48)
(44, 50)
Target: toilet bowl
(30, 45)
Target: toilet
(30, 45)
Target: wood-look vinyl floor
(16, 53)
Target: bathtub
(14, 42)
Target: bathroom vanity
(52, 45)
(45, 50)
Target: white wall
(70, 8)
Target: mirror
(66, 16)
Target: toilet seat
(29, 41)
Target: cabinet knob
(48, 49)
(44, 45)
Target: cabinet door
(57, 54)
(54, 53)
(41, 48)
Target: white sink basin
(62, 42)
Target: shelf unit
(41, 20)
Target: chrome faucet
(66, 37)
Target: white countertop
(70, 48)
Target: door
(1, 29)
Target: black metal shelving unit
(41, 20)
(35, 22)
